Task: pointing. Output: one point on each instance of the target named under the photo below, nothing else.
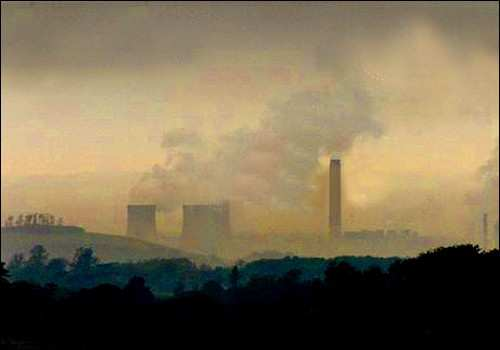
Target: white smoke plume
(271, 165)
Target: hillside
(109, 248)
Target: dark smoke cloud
(466, 28)
(68, 36)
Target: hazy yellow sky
(171, 103)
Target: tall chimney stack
(497, 236)
(485, 231)
(335, 199)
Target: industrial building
(365, 235)
(141, 221)
(204, 225)
(381, 235)
(335, 217)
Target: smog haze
(106, 104)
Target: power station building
(141, 221)
(204, 226)
(335, 217)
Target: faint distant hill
(108, 248)
(266, 255)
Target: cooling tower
(335, 219)
(204, 225)
(141, 221)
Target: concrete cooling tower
(141, 221)
(205, 226)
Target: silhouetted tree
(84, 260)
(292, 277)
(234, 277)
(3, 275)
(51, 289)
(16, 263)
(341, 274)
(102, 295)
(34, 267)
(374, 277)
(56, 269)
(38, 257)
(212, 289)
(136, 291)
(259, 284)
(179, 288)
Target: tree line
(447, 293)
(166, 277)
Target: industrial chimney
(485, 231)
(497, 236)
(335, 199)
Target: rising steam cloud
(271, 165)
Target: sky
(109, 103)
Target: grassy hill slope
(107, 247)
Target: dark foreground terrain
(446, 295)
